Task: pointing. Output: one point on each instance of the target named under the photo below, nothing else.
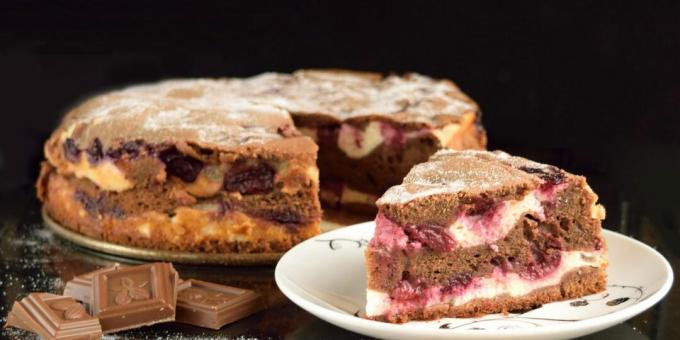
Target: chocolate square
(135, 296)
(80, 287)
(53, 316)
(212, 305)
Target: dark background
(592, 88)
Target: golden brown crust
(575, 283)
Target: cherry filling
(391, 235)
(99, 205)
(434, 237)
(392, 135)
(180, 165)
(414, 291)
(409, 289)
(250, 179)
(552, 177)
(544, 263)
(458, 284)
(71, 150)
(483, 215)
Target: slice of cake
(474, 232)
(370, 129)
(180, 166)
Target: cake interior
(158, 196)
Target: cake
(476, 232)
(371, 129)
(230, 165)
(180, 166)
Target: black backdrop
(593, 89)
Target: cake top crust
(470, 172)
(231, 113)
(187, 110)
(412, 98)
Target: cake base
(330, 222)
(576, 283)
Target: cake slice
(474, 232)
(179, 165)
(371, 129)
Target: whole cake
(177, 166)
(475, 232)
(224, 165)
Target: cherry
(250, 179)
(393, 136)
(71, 150)
(95, 152)
(551, 175)
(434, 237)
(180, 165)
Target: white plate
(325, 275)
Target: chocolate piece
(80, 287)
(53, 317)
(135, 296)
(213, 305)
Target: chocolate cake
(179, 166)
(370, 129)
(475, 232)
(224, 165)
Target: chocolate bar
(135, 296)
(80, 287)
(213, 305)
(53, 317)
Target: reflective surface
(32, 259)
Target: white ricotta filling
(469, 231)
(379, 303)
(356, 143)
(104, 174)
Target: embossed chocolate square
(53, 317)
(134, 296)
(212, 305)
(80, 287)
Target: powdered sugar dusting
(231, 112)
(450, 172)
(345, 94)
(200, 110)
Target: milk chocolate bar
(53, 317)
(135, 296)
(213, 305)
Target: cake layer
(530, 248)
(165, 216)
(495, 294)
